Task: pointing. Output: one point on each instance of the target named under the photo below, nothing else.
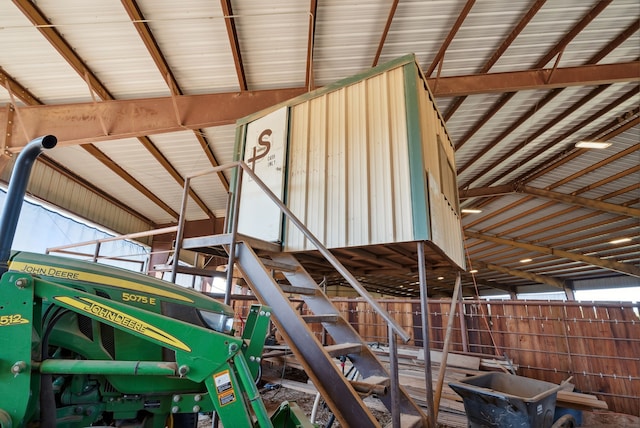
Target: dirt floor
(273, 395)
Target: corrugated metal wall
(439, 161)
(349, 165)
(53, 187)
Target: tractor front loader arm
(202, 355)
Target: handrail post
(96, 252)
(180, 231)
(234, 236)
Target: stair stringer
(342, 332)
(343, 400)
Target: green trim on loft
(398, 62)
(419, 189)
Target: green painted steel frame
(201, 353)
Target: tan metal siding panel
(51, 186)
(403, 216)
(316, 189)
(348, 170)
(357, 166)
(336, 233)
(297, 173)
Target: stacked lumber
(411, 372)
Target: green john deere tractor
(83, 344)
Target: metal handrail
(338, 266)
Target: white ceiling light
(592, 145)
(620, 241)
(471, 211)
(526, 260)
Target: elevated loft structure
(366, 164)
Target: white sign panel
(265, 153)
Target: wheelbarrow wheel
(566, 421)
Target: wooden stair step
(298, 290)
(279, 266)
(315, 319)
(343, 349)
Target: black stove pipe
(15, 194)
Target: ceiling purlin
(593, 60)
(60, 44)
(599, 7)
(535, 7)
(577, 242)
(523, 178)
(17, 90)
(574, 152)
(439, 58)
(540, 279)
(230, 23)
(92, 188)
(90, 148)
(557, 118)
(140, 23)
(309, 80)
(504, 134)
(596, 261)
(620, 38)
(385, 32)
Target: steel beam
(586, 75)
(583, 202)
(625, 268)
(540, 279)
(81, 123)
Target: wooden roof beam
(625, 268)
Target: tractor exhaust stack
(16, 192)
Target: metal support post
(180, 232)
(395, 381)
(234, 236)
(428, 377)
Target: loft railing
(232, 224)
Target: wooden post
(445, 347)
